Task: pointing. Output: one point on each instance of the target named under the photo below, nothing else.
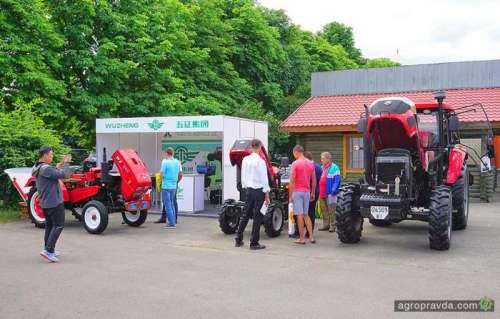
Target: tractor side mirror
(453, 123)
(362, 123)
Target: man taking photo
(51, 198)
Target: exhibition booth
(201, 143)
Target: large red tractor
(277, 213)
(92, 193)
(414, 169)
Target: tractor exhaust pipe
(104, 167)
(440, 96)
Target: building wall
(317, 143)
(422, 77)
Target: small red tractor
(277, 213)
(92, 193)
(414, 169)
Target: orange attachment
(496, 144)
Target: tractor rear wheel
(440, 218)
(95, 217)
(229, 219)
(349, 222)
(135, 219)
(274, 220)
(35, 211)
(460, 191)
(380, 223)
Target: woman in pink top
(302, 181)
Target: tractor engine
(393, 184)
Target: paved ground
(195, 272)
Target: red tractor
(92, 193)
(414, 169)
(277, 212)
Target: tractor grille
(387, 172)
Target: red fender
(456, 161)
(32, 182)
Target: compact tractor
(414, 169)
(277, 212)
(92, 193)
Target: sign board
(160, 124)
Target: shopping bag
(291, 220)
(318, 213)
(158, 182)
(264, 208)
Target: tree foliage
(21, 135)
(81, 60)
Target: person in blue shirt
(163, 216)
(170, 173)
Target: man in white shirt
(255, 182)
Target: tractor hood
(392, 123)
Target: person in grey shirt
(51, 198)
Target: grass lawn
(8, 214)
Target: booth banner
(160, 124)
(194, 153)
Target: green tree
(380, 63)
(337, 33)
(22, 133)
(30, 59)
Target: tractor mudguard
(31, 182)
(456, 161)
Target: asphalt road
(196, 272)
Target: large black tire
(95, 217)
(460, 191)
(440, 218)
(33, 205)
(380, 223)
(229, 219)
(135, 219)
(347, 218)
(274, 220)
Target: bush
(21, 135)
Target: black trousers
(254, 200)
(54, 224)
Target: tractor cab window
(428, 129)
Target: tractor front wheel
(229, 219)
(36, 213)
(440, 218)
(95, 217)
(135, 219)
(349, 222)
(274, 220)
(460, 191)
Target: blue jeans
(168, 198)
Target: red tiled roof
(344, 110)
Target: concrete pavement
(196, 272)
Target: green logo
(486, 304)
(155, 125)
(184, 155)
(180, 193)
